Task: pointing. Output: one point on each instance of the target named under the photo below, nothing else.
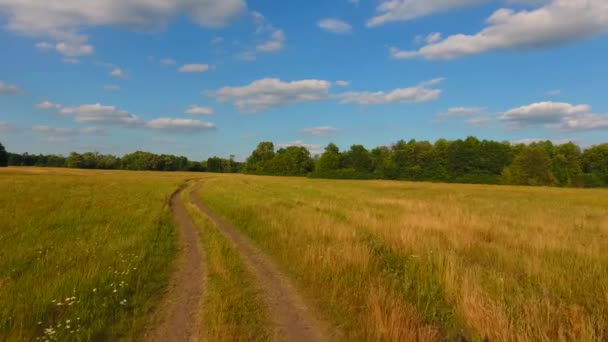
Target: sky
(204, 78)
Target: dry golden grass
(421, 261)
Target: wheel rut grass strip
(293, 320)
(176, 317)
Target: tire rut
(177, 316)
(293, 320)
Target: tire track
(293, 320)
(177, 316)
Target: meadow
(85, 255)
(391, 261)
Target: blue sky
(214, 77)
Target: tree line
(459, 161)
(141, 161)
(467, 160)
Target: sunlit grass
(232, 308)
(83, 254)
(402, 261)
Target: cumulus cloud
(402, 10)
(274, 40)
(313, 148)
(342, 83)
(194, 68)
(198, 110)
(428, 39)
(271, 92)
(335, 26)
(462, 111)
(6, 88)
(420, 93)
(274, 44)
(118, 73)
(168, 61)
(48, 105)
(56, 135)
(187, 126)
(62, 21)
(555, 115)
(320, 131)
(556, 23)
(100, 114)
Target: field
(368, 260)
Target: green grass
(83, 254)
(401, 261)
(232, 307)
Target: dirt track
(177, 317)
(291, 317)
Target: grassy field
(232, 309)
(83, 254)
(405, 261)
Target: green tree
(329, 162)
(595, 165)
(359, 159)
(3, 156)
(260, 159)
(292, 161)
(532, 166)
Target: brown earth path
(177, 316)
(292, 319)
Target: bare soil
(177, 317)
(292, 319)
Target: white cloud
(479, 121)
(559, 22)
(55, 131)
(61, 21)
(555, 115)
(274, 44)
(419, 93)
(118, 73)
(74, 49)
(320, 131)
(44, 46)
(48, 105)
(313, 148)
(93, 131)
(342, 83)
(111, 87)
(194, 68)
(271, 92)
(429, 39)
(6, 88)
(168, 61)
(462, 111)
(555, 92)
(335, 26)
(97, 113)
(402, 10)
(198, 110)
(354, 2)
(180, 125)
